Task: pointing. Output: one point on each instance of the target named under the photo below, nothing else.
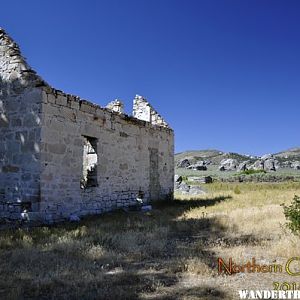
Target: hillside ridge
(215, 156)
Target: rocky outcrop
(207, 162)
(177, 181)
(210, 159)
(270, 165)
(228, 164)
(189, 190)
(205, 179)
(184, 163)
(258, 165)
(199, 166)
(243, 166)
(267, 163)
(182, 187)
(295, 165)
(177, 178)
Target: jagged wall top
(13, 66)
(143, 110)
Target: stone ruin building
(61, 155)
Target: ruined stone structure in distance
(61, 155)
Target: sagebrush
(292, 214)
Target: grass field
(170, 253)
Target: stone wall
(20, 128)
(124, 146)
(44, 134)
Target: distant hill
(289, 153)
(205, 154)
(212, 155)
(215, 156)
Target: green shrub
(292, 214)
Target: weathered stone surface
(186, 189)
(267, 164)
(243, 166)
(61, 100)
(57, 148)
(228, 164)
(258, 165)
(116, 106)
(270, 164)
(144, 111)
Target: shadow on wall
(120, 256)
(20, 120)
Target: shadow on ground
(114, 256)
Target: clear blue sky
(224, 74)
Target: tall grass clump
(237, 190)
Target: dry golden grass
(170, 253)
